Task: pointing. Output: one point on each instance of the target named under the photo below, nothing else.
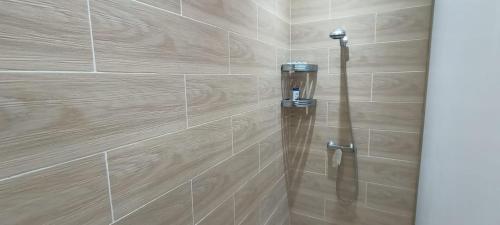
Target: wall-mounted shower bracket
(301, 103)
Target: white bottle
(295, 94)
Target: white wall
(460, 170)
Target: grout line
(192, 201)
(330, 9)
(234, 208)
(229, 51)
(109, 187)
(258, 34)
(259, 157)
(232, 135)
(47, 167)
(362, 44)
(154, 199)
(371, 87)
(375, 27)
(215, 208)
(391, 186)
(186, 101)
(366, 194)
(369, 140)
(180, 6)
(91, 37)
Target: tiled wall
(142, 112)
(386, 78)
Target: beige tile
(51, 118)
(170, 5)
(249, 56)
(375, 115)
(269, 5)
(405, 24)
(145, 170)
(388, 172)
(45, 35)
(272, 200)
(306, 204)
(72, 193)
(250, 128)
(131, 37)
(298, 219)
(352, 214)
(342, 8)
(270, 148)
(360, 29)
(394, 200)
(222, 215)
(269, 89)
(234, 15)
(399, 87)
(251, 219)
(313, 56)
(331, 87)
(217, 184)
(273, 30)
(283, 9)
(173, 208)
(322, 134)
(216, 96)
(301, 158)
(310, 10)
(396, 145)
(280, 214)
(384, 57)
(283, 57)
(249, 196)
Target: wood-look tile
(273, 30)
(376, 115)
(283, 9)
(45, 35)
(251, 219)
(250, 128)
(322, 134)
(399, 87)
(248, 197)
(361, 29)
(396, 145)
(173, 208)
(270, 89)
(280, 214)
(222, 215)
(351, 214)
(270, 148)
(269, 5)
(342, 8)
(405, 24)
(212, 187)
(301, 158)
(170, 5)
(145, 170)
(394, 200)
(131, 37)
(313, 56)
(211, 97)
(72, 193)
(271, 200)
(359, 87)
(384, 57)
(388, 172)
(51, 118)
(249, 56)
(283, 57)
(298, 119)
(298, 219)
(306, 204)
(310, 10)
(234, 15)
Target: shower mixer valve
(339, 149)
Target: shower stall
(221, 112)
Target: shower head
(340, 34)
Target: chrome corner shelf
(301, 103)
(299, 67)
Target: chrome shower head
(338, 33)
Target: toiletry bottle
(295, 93)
